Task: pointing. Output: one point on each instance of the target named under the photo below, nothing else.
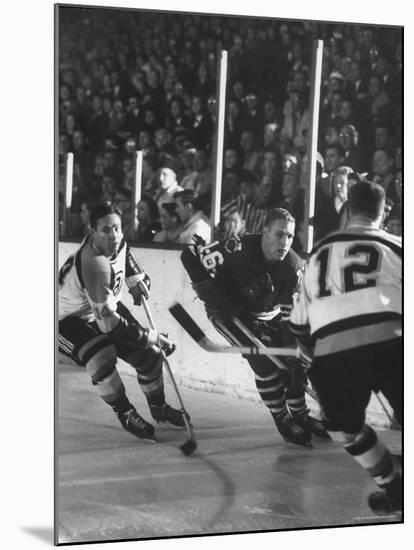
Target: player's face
(108, 234)
(277, 240)
(182, 210)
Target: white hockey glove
(140, 288)
(161, 341)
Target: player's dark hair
(276, 214)
(101, 210)
(368, 199)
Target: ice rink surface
(242, 478)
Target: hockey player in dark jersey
(249, 283)
(95, 328)
(348, 312)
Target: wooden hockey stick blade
(199, 336)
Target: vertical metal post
(312, 145)
(136, 193)
(68, 192)
(219, 141)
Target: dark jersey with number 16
(241, 272)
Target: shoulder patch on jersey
(232, 244)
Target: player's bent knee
(147, 362)
(102, 362)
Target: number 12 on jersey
(353, 276)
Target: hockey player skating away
(349, 311)
(253, 279)
(95, 328)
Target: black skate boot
(314, 425)
(134, 423)
(165, 413)
(292, 431)
(389, 500)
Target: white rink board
(192, 366)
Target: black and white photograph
(226, 212)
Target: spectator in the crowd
(251, 155)
(177, 120)
(340, 187)
(348, 113)
(331, 136)
(168, 182)
(98, 125)
(148, 220)
(293, 195)
(249, 202)
(333, 159)
(357, 84)
(233, 123)
(383, 136)
(233, 224)
(117, 120)
(296, 123)
(396, 191)
(201, 125)
(232, 158)
(393, 223)
(354, 155)
(253, 115)
(163, 143)
(133, 117)
(382, 169)
(263, 193)
(116, 92)
(331, 115)
(230, 184)
(193, 220)
(170, 224)
(378, 97)
(203, 180)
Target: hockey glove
(161, 341)
(141, 288)
(216, 307)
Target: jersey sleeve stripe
(351, 237)
(357, 321)
(299, 329)
(357, 337)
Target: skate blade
(307, 445)
(152, 439)
(170, 424)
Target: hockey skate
(389, 500)
(314, 425)
(165, 413)
(292, 431)
(134, 423)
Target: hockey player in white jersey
(95, 328)
(348, 315)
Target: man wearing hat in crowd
(168, 181)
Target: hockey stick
(241, 326)
(191, 445)
(199, 336)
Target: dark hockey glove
(216, 306)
